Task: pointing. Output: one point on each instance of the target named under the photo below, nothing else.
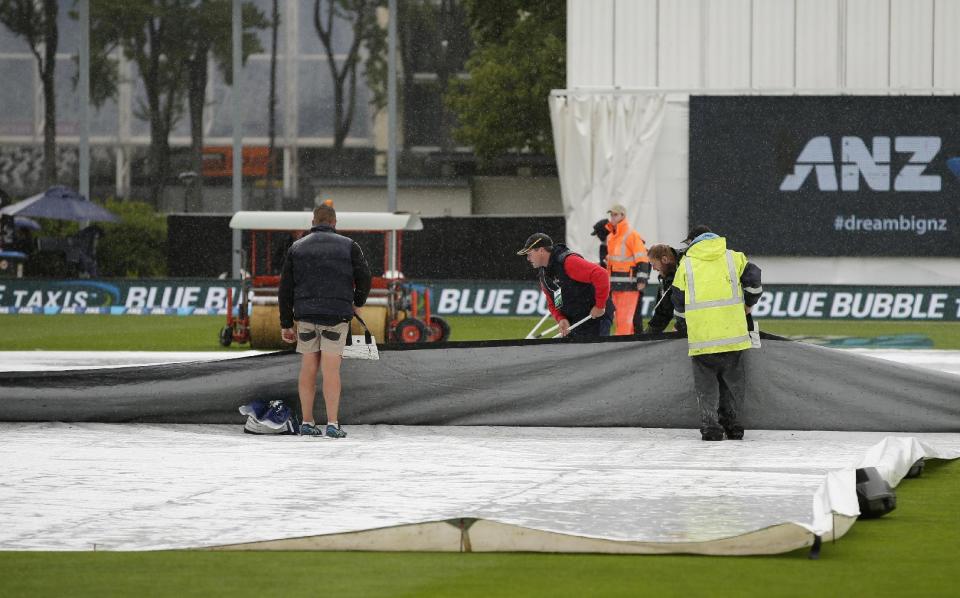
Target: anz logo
(872, 165)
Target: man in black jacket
(325, 280)
(664, 260)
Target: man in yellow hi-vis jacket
(715, 289)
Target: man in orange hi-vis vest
(629, 269)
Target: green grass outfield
(910, 552)
(199, 333)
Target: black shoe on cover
(711, 437)
(735, 435)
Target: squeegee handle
(575, 325)
(539, 324)
(547, 331)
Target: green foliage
(520, 58)
(135, 247)
(25, 19)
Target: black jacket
(577, 298)
(664, 305)
(324, 275)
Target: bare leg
(330, 368)
(308, 384)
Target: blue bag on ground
(264, 417)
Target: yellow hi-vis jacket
(709, 275)
(625, 252)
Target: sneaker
(335, 432)
(735, 435)
(712, 436)
(311, 430)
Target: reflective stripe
(621, 279)
(628, 259)
(735, 299)
(734, 279)
(639, 255)
(691, 292)
(754, 290)
(716, 303)
(720, 342)
(643, 275)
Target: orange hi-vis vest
(625, 250)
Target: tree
(210, 31)
(149, 32)
(361, 17)
(520, 57)
(37, 23)
(170, 41)
(432, 38)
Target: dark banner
(476, 247)
(828, 175)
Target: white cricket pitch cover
(93, 486)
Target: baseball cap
(695, 232)
(535, 241)
(617, 209)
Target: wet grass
(199, 333)
(944, 335)
(86, 332)
(910, 552)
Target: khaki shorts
(319, 337)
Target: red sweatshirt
(581, 270)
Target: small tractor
(396, 310)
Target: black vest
(577, 298)
(322, 274)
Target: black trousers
(720, 382)
(638, 316)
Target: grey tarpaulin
(617, 382)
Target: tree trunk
(197, 89)
(272, 196)
(50, 40)
(159, 161)
(339, 130)
(443, 73)
(159, 155)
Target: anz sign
(872, 165)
